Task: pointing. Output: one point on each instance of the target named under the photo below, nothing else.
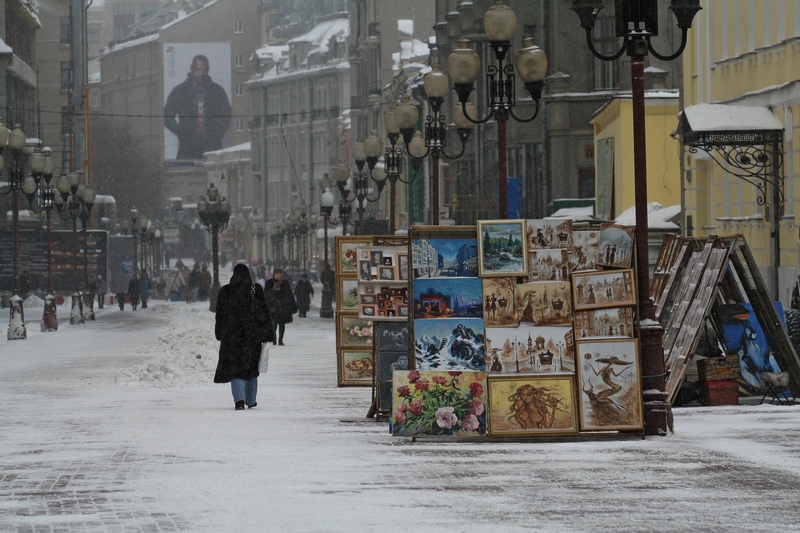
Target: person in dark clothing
(281, 302)
(303, 292)
(134, 291)
(197, 112)
(328, 280)
(121, 298)
(205, 284)
(144, 288)
(240, 343)
(194, 284)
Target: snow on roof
(4, 48)
(269, 50)
(405, 27)
(658, 216)
(321, 34)
(720, 117)
(132, 43)
(575, 213)
(237, 148)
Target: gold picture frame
(531, 405)
(601, 289)
(502, 248)
(346, 252)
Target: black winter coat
(240, 346)
(280, 299)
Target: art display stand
(716, 281)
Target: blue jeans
(244, 389)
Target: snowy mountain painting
(449, 344)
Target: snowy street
(115, 425)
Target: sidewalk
(115, 425)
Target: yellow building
(743, 56)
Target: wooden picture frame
(402, 266)
(347, 294)
(355, 367)
(427, 243)
(367, 310)
(610, 393)
(606, 322)
(548, 233)
(531, 406)
(346, 247)
(615, 246)
(364, 270)
(353, 331)
(386, 273)
(607, 288)
(502, 248)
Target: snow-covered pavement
(115, 425)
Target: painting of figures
(549, 233)
(608, 378)
(449, 344)
(502, 248)
(531, 406)
(548, 265)
(499, 309)
(614, 322)
(434, 258)
(544, 303)
(583, 254)
(448, 298)
(613, 288)
(529, 349)
(615, 246)
(439, 403)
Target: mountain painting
(449, 344)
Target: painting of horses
(610, 394)
(531, 405)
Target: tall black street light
(636, 22)
(215, 212)
(41, 197)
(464, 65)
(325, 211)
(16, 174)
(361, 178)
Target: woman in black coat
(281, 302)
(240, 346)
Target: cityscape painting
(448, 298)
(434, 258)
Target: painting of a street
(448, 298)
(434, 258)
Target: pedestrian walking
(144, 288)
(328, 280)
(121, 298)
(134, 290)
(205, 283)
(281, 302)
(102, 289)
(240, 340)
(194, 284)
(303, 292)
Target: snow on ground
(115, 425)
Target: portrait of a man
(197, 112)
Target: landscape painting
(448, 298)
(502, 248)
(529, 348)
(544, 303)
(439, 403)
(499, 309)
(583, 254)
(531, 406)
(449, 344)
(613, 322)
(548, 233)
(433, 258)
(615, 246)
(610, 288)
(609, 385)
(548, 265)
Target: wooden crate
(721, 392)
(719, 368)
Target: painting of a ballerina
(609, 383)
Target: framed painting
(499, 308)
(611, 322)
(347, 294)
(529, 348)
(364, 270)
(610, 394)
(449, 344)
(386, 273)
(530, 406)
(551, 264)
(439, 403)
(544, 303)
(448, 298)
(354, 331)
(548, 233)
(615, 246)
(502, 248)
(368, 310)
(402, 266)
(583, 253)
(392, 336)
(355, 368)
(459, 256)
(376, 257)
(347, 252)
(388, 363)
(609, 288)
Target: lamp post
(325, 211)
(41, 197)
(636, 22)
(16, 173)
(68, 204)
(530, 63)
(88, 197)
(215, 212)
(361, 178)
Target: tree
(120, 168)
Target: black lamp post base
(326, 308)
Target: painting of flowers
(355, 367)
(439, 403)
(354, 331)
(347, 252)
(531, 405)
(348, 289)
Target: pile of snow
(32, 302)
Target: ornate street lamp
(16, 173)
(215, 212)
(361, 178)
(41, 197)
(89, 197)
(74, 201)
(464, 66)
(325, 211)
(636, 23)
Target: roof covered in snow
(721, 117)
(658, 216)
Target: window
(66, 75)
(65, 26)
(606, 74)
(95, 99)
(238, 90)
(93, 35)
(586, 182)
(238, 26)
(148, 10)
(238, 61)
(124, 9)
(64, 120)
(240, 124)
